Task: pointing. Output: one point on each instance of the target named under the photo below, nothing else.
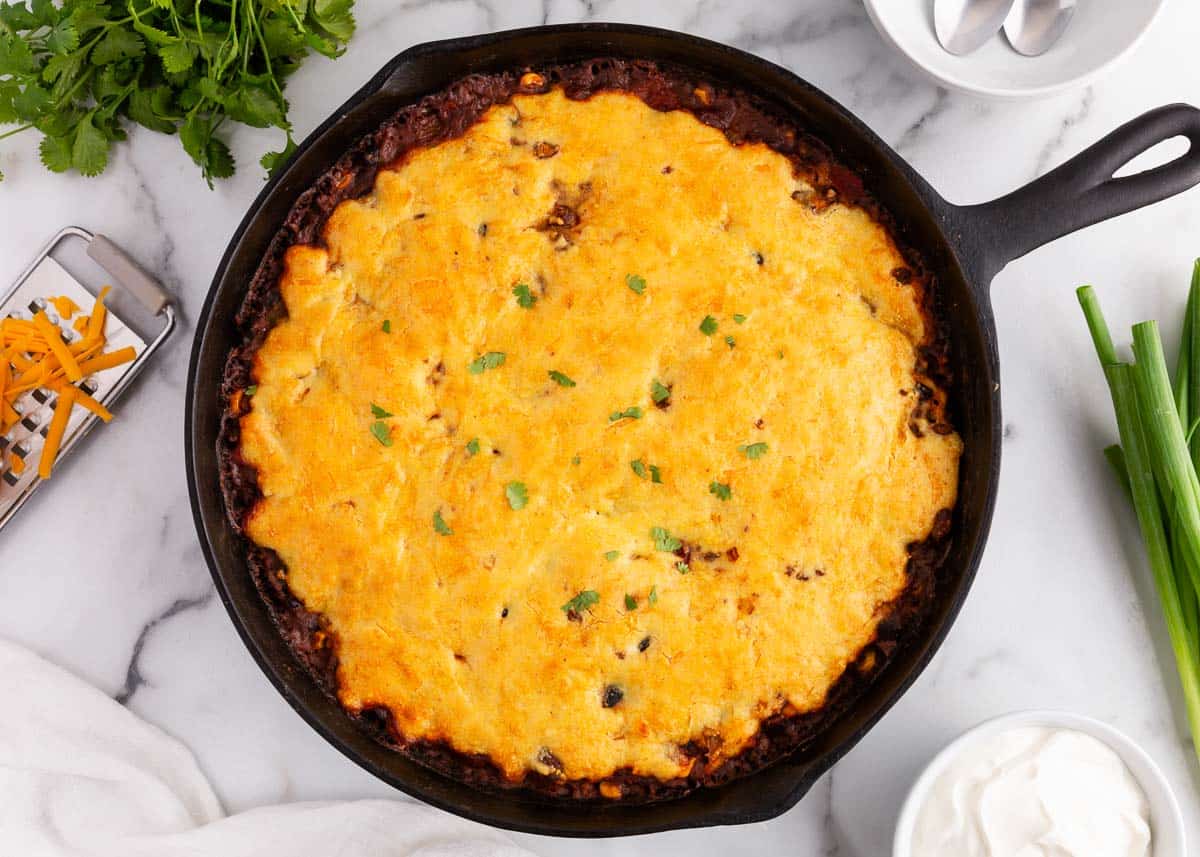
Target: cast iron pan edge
(966, 245)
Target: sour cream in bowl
(1041, 784)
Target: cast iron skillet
(964, 247)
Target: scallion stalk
(1155, 465)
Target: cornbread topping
(593, 444)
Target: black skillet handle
(1082, 191)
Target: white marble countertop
(1058, 614)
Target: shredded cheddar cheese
(65, 306)
(34, 355)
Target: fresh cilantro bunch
(77, 71)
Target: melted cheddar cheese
(387, 451)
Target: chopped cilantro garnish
(739, 318)
(611, 556)
(251, 390)
(585, 599)
(560, 379)
(575, 460)
(634, 413)
(664, 541)
(683, 567)
(440, 526)
(730, 341)
(517, 495)
(753, 450)
(659, 391)
(653, 596)
(645, 471)
(635, 282)
(630, 602)
(473, 446)
(380, 429)
(709, 326)
(387, 325)
(525, 298)
(378, 412)
(490, 360)
(720, 490)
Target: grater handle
(132, 276)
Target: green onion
(1157, 468)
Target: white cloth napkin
(81, 776)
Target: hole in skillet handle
(1083, 191)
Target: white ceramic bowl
(1166, 821)
(1101, 32)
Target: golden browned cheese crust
(451, 607)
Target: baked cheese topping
(590, 440)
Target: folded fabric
(81, 776)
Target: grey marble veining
(1058, 614)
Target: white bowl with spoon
(1098, 35)
(1041, 776)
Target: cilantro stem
(17, 130)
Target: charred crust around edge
(447, 115)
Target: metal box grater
(45, 278)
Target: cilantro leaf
(585, 599)
(379, 413)
(730, 341)
(708, 326)
(176, 58)
(630, 602)
(655, 474)
(659, 391)
(638, 467)
(652, 598)
(272, 161)
(220, 160)
(739, 318)
(611, 556)
(517, 494)
(15, 56)
(560, 379)
(381, 432)
(62, 38)
(525, 298)
(55, 153)
(387, 325)
(636, 283)
(720, 490)
(251, 390)
(335, 18)
(753, 450)
(633, 413)
(89, 152)
(473, 446)
(682, 567)
(254, 106)
(490, 360)
(151, 109)
(664, 541)
(440, 526)
(118, 44)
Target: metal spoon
(1033, 26)
(963, 26)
